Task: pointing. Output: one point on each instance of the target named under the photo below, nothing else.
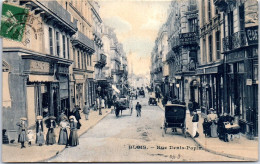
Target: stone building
(240, 54)
(36, 70)
(210, 69)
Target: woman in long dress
(73, 139)
(213, 118)
(22, 137)
(51, 137)
(39, 131)
(63, 137)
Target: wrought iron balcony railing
(234, 41)
(81, 40)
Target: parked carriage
(175, 116)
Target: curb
(218, 153)
(223, 154)
(60, 151)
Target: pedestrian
(39, 131)
(212, 118)
(195, 121)
(86, 110)
(190, 106)
(136, 95)
(73, 138)
(22, 137)
(131, 107)
(51, 125)
(30, 137)
(106, 101)
(138, 108)
(102, 103)
(63, 137)
(99, 105)
(76, 113)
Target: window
(85, 66)
(230, 23)
(210, 48)
(78, 59)
(68, 48)
(58, 43)
(87, 60)
(255, 72)
(209, 9)
(241, 67)
(51, 41)
(192, 25)
(218, 44)
(242, 17)
(74, 58)
(203, 11)
(64, 46)
(204, 51)
(82, 60)
(90, 61)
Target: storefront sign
(188, 38)
(236, 56)
(39, 66)
(211, 70)
(249, 82)
(252, 35)
(199, 71)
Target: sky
(136, 23)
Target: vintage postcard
(129, 80)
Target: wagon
(175, 116)
(120, 105)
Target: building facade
(36, 70)
(240, 53)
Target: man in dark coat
(138, 108)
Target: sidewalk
(240, 148)
(35, 153)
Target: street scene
(129, 81)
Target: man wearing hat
(39, 131)
(86, 110)
(22, 137)
(195, 121)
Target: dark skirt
(50, 137)
(63, 137)
(22, 137)
(73, 139)
(39, 138)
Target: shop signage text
(236, 56)
(188, 38)
(39, 66)
(252, 35)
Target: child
(30, 137)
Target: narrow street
(131, 138)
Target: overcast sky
(136, 24)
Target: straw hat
(23, 118)
(39, 118)
(74, 119)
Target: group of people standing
(72, 123)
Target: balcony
(235, 41)
(82, 41)
(52, 10)
(223, 4)
(102, 61)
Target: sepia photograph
(129, 81)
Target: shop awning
(6, 92)
(41, 78)
(115, 89)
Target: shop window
(51, 41)
(255, 72)
(241, 67)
